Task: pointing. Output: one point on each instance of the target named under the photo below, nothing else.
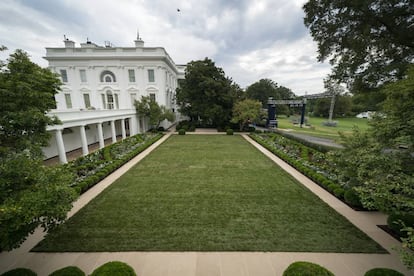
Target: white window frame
(64, 75)
(87, 100)
(68, 101)
(151, 75)
(131, 75)
(82, 74)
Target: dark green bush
(229, 131)
(339, 192)
(160, 128)
(68, 271)
(20, 272)
(114, 269)
(181, 131)
(306, 269)
(382, 272)
(352, 198)
(394, 222)
(251, 129)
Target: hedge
(306, 269)
(68, 271)
(114, 269)
(383, 272)
(20, 272)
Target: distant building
(100, 84)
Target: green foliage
(246, 111)
(207, 94)
(352, 198)
(187, 125)
(181, 131)
(31, 195)
(27, 93)
(19, 272)
(367, 42)
(382, 272)
(265, 88)
(229, 131)
(408, 247)
(114, 269)
(306, 269)
(68, 271)
(398, 222)
(148, 107)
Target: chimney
(139, 43)
(68, 43)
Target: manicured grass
(207, 193)
(345, 125)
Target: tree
(27, 93)
(31, 194)
(380, 163)
(206, 93)
(246, 111)
(368, 42)
(148, 107)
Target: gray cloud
(248, 39)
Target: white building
(100, 86)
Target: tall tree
(368, 42)
(265, 88)
(206, 93)
(30, 193)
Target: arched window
(110, 100)
(107, 76)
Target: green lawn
(207, 193)
(345, 125)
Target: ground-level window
(151, 76)
(86, 100)
(68, 100)
(64, 75)
(131, 75)
(152, 97)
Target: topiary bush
(229, 131)
(352, 198)
(181, 131)
(339, 192)
(394, 223)
(19, 272)
(306, 269)
(114, 269)
(382, 272)
(68, 271)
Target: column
(100, 136)
(84, 141)
(113, 131)
(61, 146)
(137, 127)
(123, 129)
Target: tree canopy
(206, 93)
(27, 93)
(149, 108)
(30, 193)
(246, 111)
(368, 42)
(265, 88)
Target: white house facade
(100, 85)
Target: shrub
(68, 271)
(352, 198)
(306, 269)
(20, 272)
(339, 192)
(229, 131)
(394, 222)
(114, 269)
(160, 128)
(382, 272)
(181, 131)
(251, 129)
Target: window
(116, 101)
(68, 101)
(107, 76)
(82, 73)
(64, 75)
(109, 100)
(133, 98)
(151, 77)
(86, 100)
(131, 75)
(152, 96)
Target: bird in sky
(178, 10)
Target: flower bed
(312, 163)
(92, 168)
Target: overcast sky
(250, 40)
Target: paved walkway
(214, 263)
